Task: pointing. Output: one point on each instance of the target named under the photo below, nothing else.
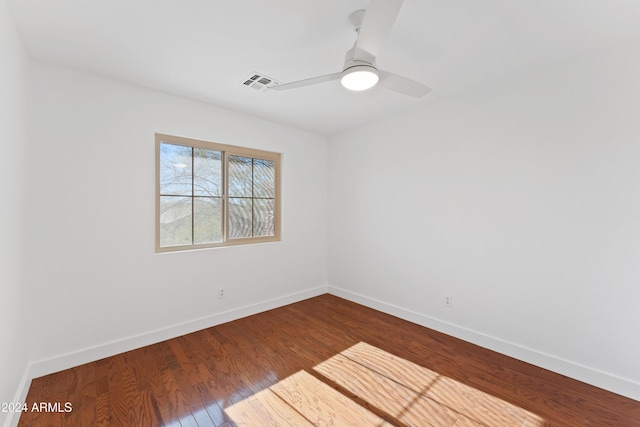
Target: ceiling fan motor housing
(355, 56)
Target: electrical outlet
(448, 301)
(220, 292)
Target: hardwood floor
(323, 361)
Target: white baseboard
(79, 357)
(604, 380)
(21, 396)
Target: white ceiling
(204, 49)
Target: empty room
(332, 213)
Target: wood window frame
(227, 150)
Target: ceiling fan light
(360, 77)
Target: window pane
(264, 178)
(175, 170)
(263, 217)
(208, 196)
(240, 176)
(207, 220)
(207, 172)
(175, 221)
(240, 221)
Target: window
(210, 194)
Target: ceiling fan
(359, 71)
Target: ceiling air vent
(259, 81)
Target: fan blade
(307, 82)
(401, 84)
(376, 25)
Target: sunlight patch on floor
(393, 388)
(301, 400)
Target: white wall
(13, 142)
(96, 280)
(521, 201)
